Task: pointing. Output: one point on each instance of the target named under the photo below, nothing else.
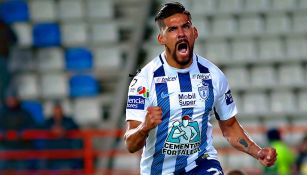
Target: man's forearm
(135, 138)
(244, 143)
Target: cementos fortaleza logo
(136, 102)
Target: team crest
(204, 90)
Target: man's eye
(171, 29)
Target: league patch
(228, 97)
(143, 91)
(136, 102)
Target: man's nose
(181, 32)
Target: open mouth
(182, 47)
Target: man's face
(178, 36)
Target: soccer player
(175, 84)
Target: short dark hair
(169, 9)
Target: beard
(183, 62)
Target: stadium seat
(14, 11)
(256, 6)
(238, 76)
(224, 26)
(244, 49)
(83, 85)
(283, 5)
(108, 58)
(152, 50)
(299, 21)
(69, 10)
(27, 86)
(50, 59)
(278, 23)
(255, 103)
(43, 10)
(35, 108)
(296, 47)
(97, 9)
(21, 59)
(202, 7)
(202, 25)
(110, 33)
(54, 85)
(302, 101)
(271, 48)
(229, 5)
(24, 33)
(46, 35)
(75, 33)
(78, 59)
(283, 102)
(291, 75)
(87, 111)
(259, 72)
(250, 24)
(218, 50)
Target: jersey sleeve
(225, 107)
(138, 99)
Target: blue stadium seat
(14, 11)
(46, 35)
(35, 108)
(78, 59)
(83, 85)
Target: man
(58, 124)
(180, 83)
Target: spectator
(301, 161)
(7, 39)
(14, 117)
(235, 172)
(59, 124)
(285, 162)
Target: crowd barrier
(88, 152)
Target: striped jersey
(187, 97)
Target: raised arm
(239, 139)
(137, 132)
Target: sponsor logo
(187, 99)
(165, 79)
(228, 97)
(202, 76)
(183, 138)
(143, 91)
(136, 102)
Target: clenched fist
(267, 156)
(153, 117)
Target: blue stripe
(208, 108)
(185, 86)
(162, 130)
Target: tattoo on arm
(243, 142)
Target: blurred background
(65, 68)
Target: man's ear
(195, 32)
(161, 39)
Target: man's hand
(153, 118)
(267, 156)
